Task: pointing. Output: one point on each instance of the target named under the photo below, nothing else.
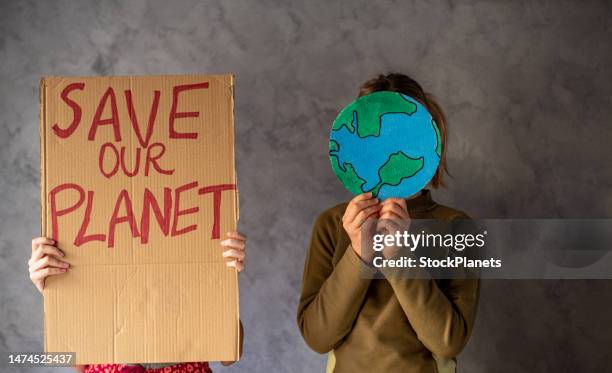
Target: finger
(236, 235)
(398, 223)
(43, 250)
(388, 220)
(236, 264)
(396, 201)
(352, 203)
(240, 266)
(46, 272)
(390, 214)
(362, 197)
(233, 243)
(387, 225)
(365, 204)
(365, 214)
(396, 209)
(399, 201)
(234, 254)
(360, 206)
(353, 210)
(48, 261)
(41, 241)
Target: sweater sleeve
(443, 321)
(443, 318)
(331, 296)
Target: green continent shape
(398, 167)
(438, 138)
(333, 146)
(347, 176)
(370, 109)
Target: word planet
(385, 143)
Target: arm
(47, 260)
(331, 296)
(234, 254)
(443, 318)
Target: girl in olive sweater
(383, 325)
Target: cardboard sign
(138, 187)
(386, 143)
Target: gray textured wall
(527, 86)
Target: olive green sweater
(381, 325)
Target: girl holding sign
(385, 147)
(48, 260)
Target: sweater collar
(421, 202)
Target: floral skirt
(120, 368)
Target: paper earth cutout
(386, 143)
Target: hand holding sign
(46, 260)
(236, 250)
